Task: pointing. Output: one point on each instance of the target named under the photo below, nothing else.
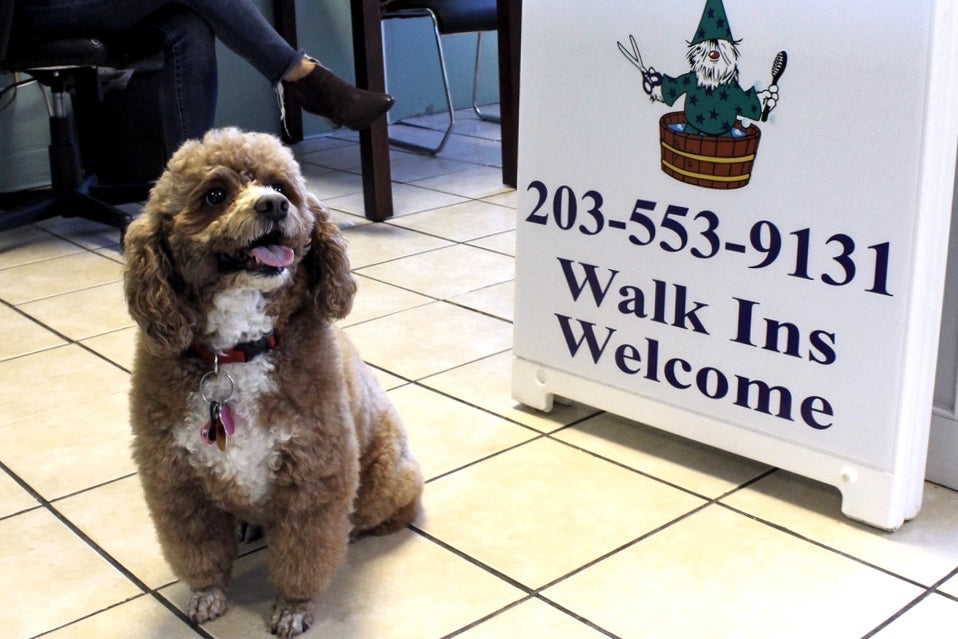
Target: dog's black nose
(274, 206)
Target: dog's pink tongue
(274, 255)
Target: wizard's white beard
(710, 72)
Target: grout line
(91, 488)
(69, 340)
(576, 616)
(487, 617)
(343, 325)
(436, 236)
(914, 602)
(358, 270)
(537, 592)
(486, 458)
(65, 238)
(947, 595)
(432, 299)
(622, 464)
(441, 372)
(190, 625)
(24, 511)
(460, 400)
(90, 615)
(625, 546)
(822, 545)
(422, 382)
(933, 589)
(107, 557)
(526, 599)
(452, 302)
(472, 560)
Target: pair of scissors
(650, 77)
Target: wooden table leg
(370, 74)
(373, 140)
(510, 29)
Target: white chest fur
(238, 315)
(247, 463)
(251, 452)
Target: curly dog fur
(231, 248)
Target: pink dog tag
(226, 416)
(220, 425)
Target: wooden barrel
(715, 162)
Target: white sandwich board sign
(732, 225)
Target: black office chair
(448, 17)
(65, 66)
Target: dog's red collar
(240, 353)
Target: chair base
(35, 206)
(71, 193)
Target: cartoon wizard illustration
(714, 100)
(711, 142)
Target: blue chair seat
(454, 16)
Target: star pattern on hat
(714, 24)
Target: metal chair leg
(412, 146)
(488, 117)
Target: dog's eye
(214, 196)
(279, 188)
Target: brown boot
(323, 93)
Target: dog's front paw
(290, 619)
(207, 604)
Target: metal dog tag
(217, 389)
(220, 426)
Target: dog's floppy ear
(154, 291)
(331, 280)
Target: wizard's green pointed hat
(714, 23)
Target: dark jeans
(185, 31)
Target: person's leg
(238, 23)
(242, 28)
(188, 84)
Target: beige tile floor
(570, 525)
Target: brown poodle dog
(248, 404)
